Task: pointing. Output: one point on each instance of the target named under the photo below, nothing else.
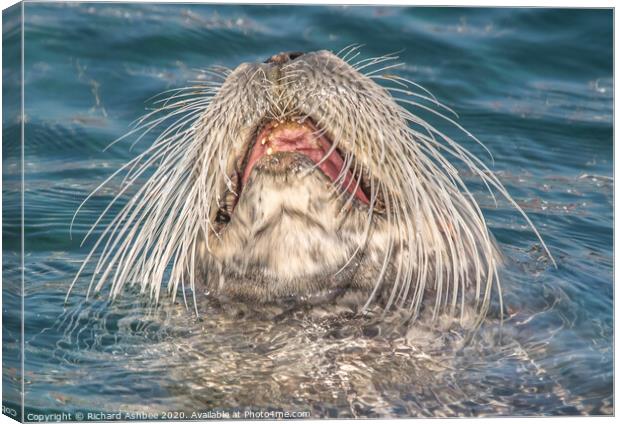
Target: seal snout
(302, 175)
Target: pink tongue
(302, 138)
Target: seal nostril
(284, 57)
(294, 55)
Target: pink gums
(306, 139)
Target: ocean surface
(534, 85)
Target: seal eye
(222, 217)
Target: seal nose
(283, 57)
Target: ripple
(545, 114)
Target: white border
(480, 3)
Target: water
(534, 84)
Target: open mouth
(300, 136)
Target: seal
(308, 177)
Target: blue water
(535, 85)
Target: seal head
(299, 177)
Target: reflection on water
(545, 115)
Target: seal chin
(290, 232)
(290, 224)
